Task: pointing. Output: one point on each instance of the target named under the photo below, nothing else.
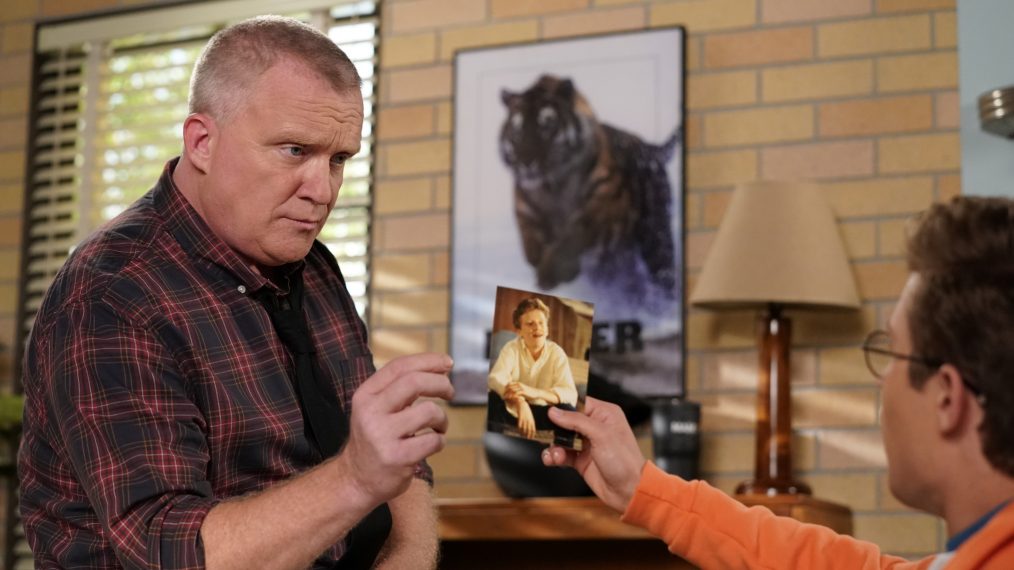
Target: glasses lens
(877, 347)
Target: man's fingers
(556, 456)
(409, 388)
(422, 416)
(421, 446)
(576, 421)
(433, 362)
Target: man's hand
(611, 461)
(391, 429)
(526, 421)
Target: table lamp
(777, 248)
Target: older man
(199, 388)
(947, 369)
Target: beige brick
(773, 11)
(710, 169)
(919, 153)
(10, 263)
(693, 373)
(898, 533)
(834, 408)
(418, 157)
(876, 116)
(698, 244)
(705, 15)
(405, 122)
(418, 84)
(948, 186)
(694, 51)
(15, 70)
(730, 370)
(593, 22)
(721, 453)
(856, 491)
(467, 423)
(15, 10)
(758, 47)
(406, 271)
(880, 280)
(422, 14)
(874, 36)
(692, 211)
(10, 230)
(415, 232)
(17, 38)
(817, 328)
(413, 308)
(455, 461)
(879, 197)
(388, 344)
(441, 268)
(478, 36)
(14, 100)
(466, 489)
(12, 165)
(913, 72)
(860, 239)
(728, 412)
(888, 502)
(947, 110)
(413, 49)
(850, 449)
(8, 297)
(844, 367)
(752, 126)
(438, 339)
(817, 81)
(442, 192)
(893, 237)
(945, 30)
(515, 8)
(693, 133)
(445, 118)
(817, 160)
(715, 204)
(12, 196)
(804, 451)
(728, 89)
(886, 6)
(721, 329)
(13, 132)
(62, 8)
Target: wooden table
(578, 533)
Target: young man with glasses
(946, 362)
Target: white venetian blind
(109, 114)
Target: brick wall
(860, 94)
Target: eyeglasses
(877, 349)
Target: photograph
(538, 351)
(568, 181)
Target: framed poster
(568, 180)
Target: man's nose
(319, 184)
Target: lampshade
(778, 243)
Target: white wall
(986, 61)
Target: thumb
(576, 421)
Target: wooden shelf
(532, 519)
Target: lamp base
(773, 487)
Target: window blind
(109, 112)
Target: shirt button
(241, 289)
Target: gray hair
(236, 56)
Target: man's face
(277, 163)
(906, 416)
(534, 329)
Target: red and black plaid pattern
(156, 387)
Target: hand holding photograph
(539, 359)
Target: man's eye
(338, 159)
(293, 150)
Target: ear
(508, 97)
(952, 402)
(200, 136)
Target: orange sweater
(712, 530)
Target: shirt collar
(957, 540)
(197, 239)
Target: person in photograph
(947, 415)
(531, 374)
(199, 390)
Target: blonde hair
(236, 56)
